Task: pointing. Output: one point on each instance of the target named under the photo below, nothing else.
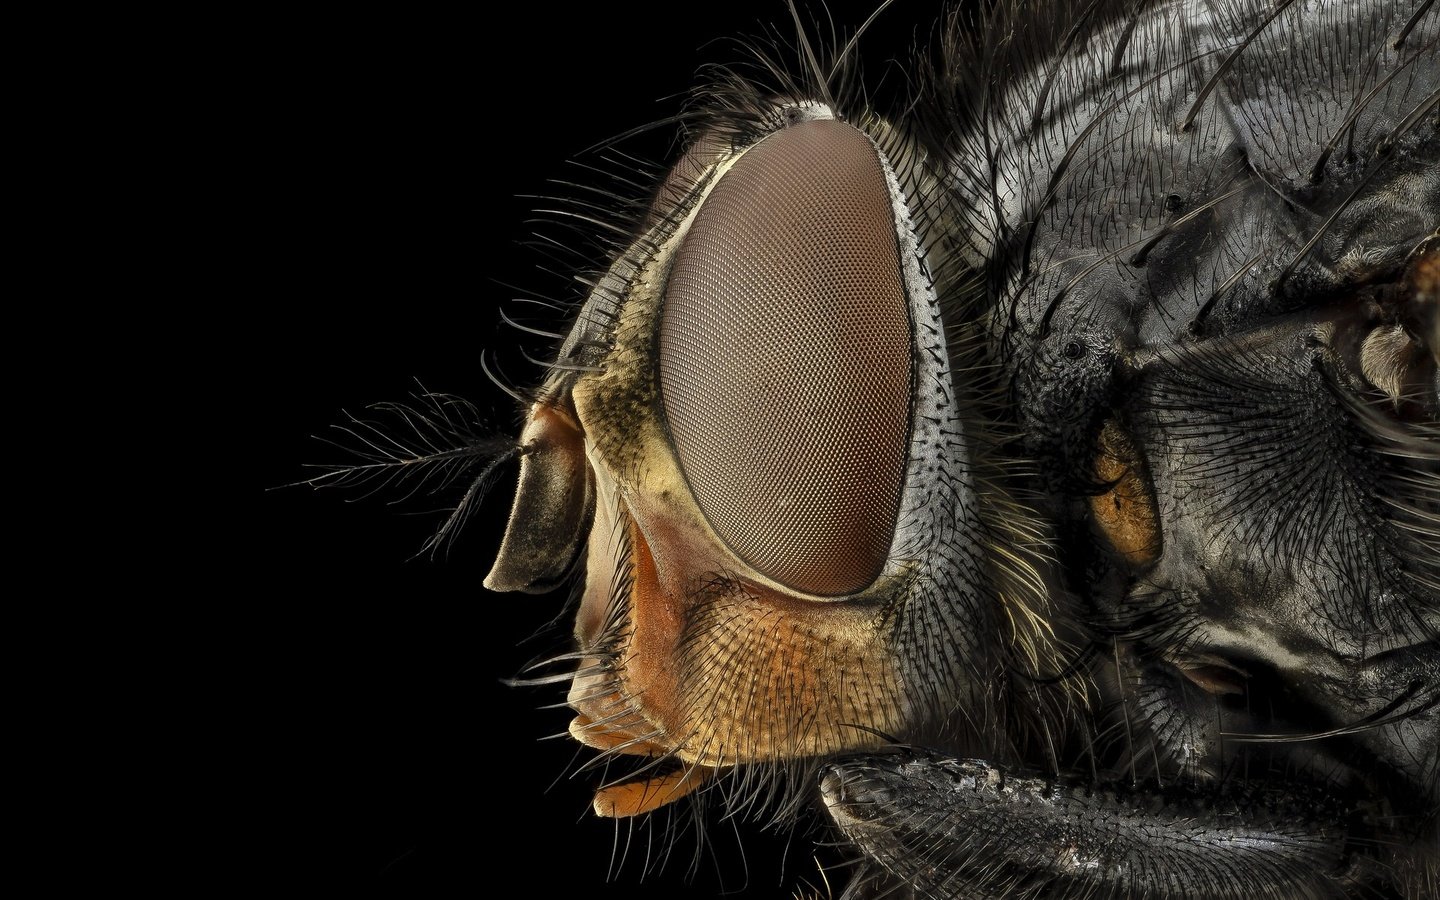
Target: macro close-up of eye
(785, 359)
(982, 451)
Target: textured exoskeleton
(1208, 232)
(1041, 477)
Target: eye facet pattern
(785, 359)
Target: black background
(398, 151)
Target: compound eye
(785, 354)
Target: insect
(1039, 477)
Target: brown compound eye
(785, 359)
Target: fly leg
(967, 828)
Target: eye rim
(941, 465)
